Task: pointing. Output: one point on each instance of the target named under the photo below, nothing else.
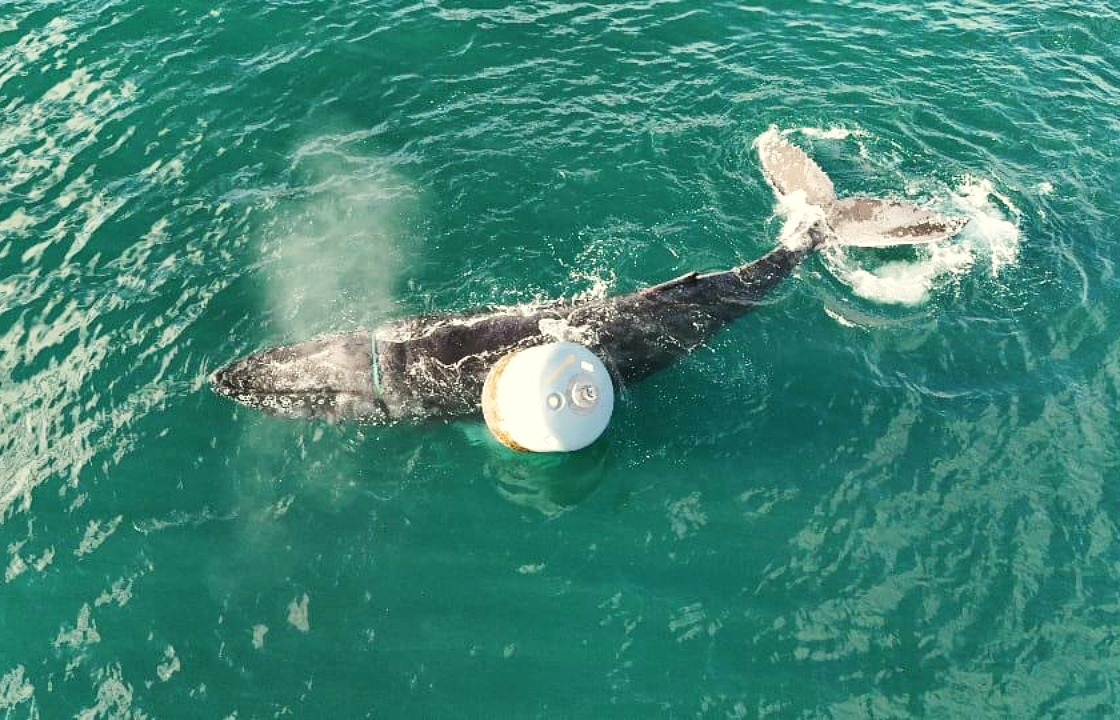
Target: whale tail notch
(857, 221)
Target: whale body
(434, 366)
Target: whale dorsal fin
(789, 170)
(871, 222)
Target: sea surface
(891, 491)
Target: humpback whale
(434, 366)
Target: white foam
(832, 133)
(48, 132)
(18, 564)
(32, 46)
(990, 232)
(687, 515)
(16, 567)
(903, 282)
(259, 633)
(44, 451)
(82, 635)
(800, 215)
(120, 593)
(15, 690)
(840, 318)
(17, 222)
(298, 615)
(170, 666)
(96, 535)
(114, 696)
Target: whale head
(327, 378)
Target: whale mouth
(327, 378)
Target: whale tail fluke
(857, 222)
(871, 222)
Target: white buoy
(549, 398)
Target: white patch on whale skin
(561, 330)
(416, 328)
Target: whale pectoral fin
(870, 222)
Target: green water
(891, 492)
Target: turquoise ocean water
(890, 492)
